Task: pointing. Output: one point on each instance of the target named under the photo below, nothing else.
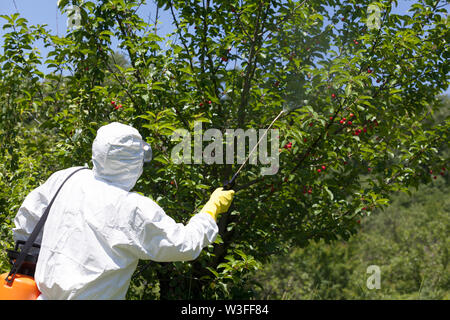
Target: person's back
(97, 230)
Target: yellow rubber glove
(219, 202)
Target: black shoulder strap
(34, 234)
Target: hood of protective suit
(118, 154)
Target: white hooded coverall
(97, 229)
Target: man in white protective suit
(97, 230)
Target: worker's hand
(219, 202)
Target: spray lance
(286, 110)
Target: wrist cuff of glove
(210, 209)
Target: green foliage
(234, 64)
(408, 241)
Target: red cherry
(351, 115)
(369, 71)
(331, 118)
(304, 139)
(113, 102)
(318, 170)
(209, 102)
(341, 122)
(349, 123)
(431, 171)
(333, 95)
(323, 167)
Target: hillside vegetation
(408, 241)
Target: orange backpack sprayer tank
(20, 286)
(19, 283)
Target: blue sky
(46, 12)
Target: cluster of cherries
(116, 106)
(441, 173)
